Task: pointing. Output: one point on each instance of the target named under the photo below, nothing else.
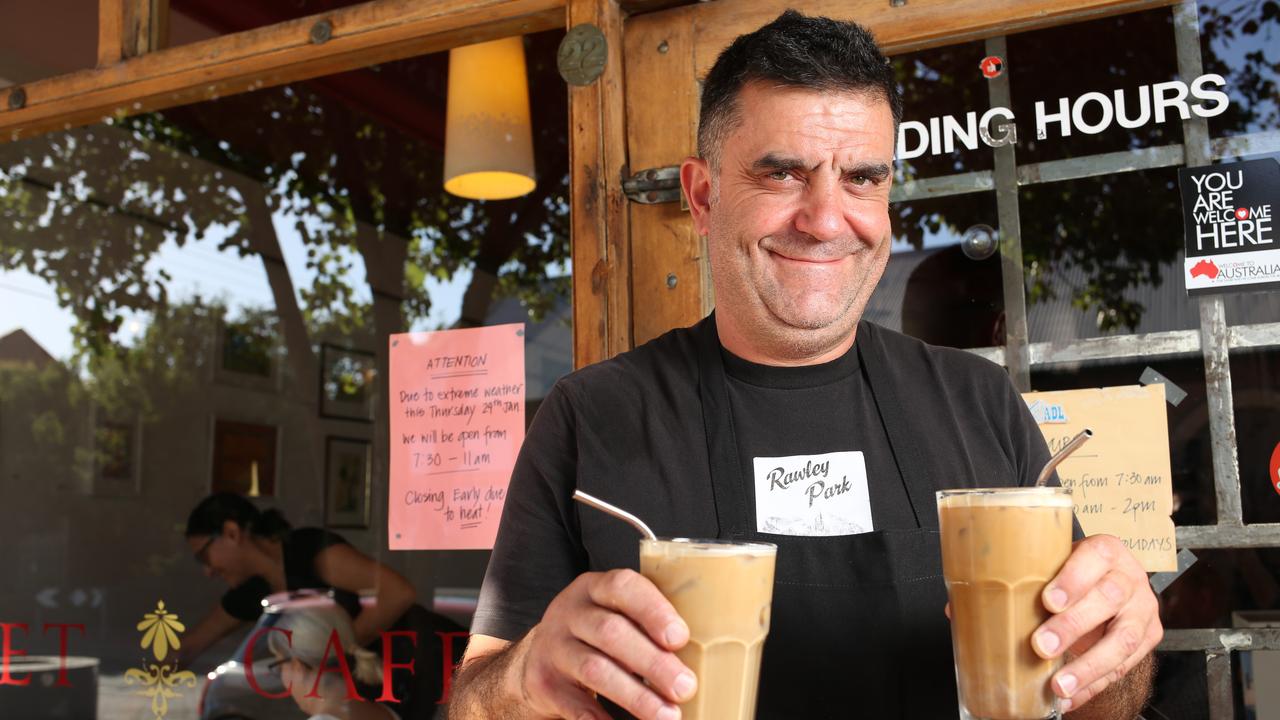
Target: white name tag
(813, 495)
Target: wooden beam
(598, 230)
(110, 32)
(361, 35)
(914, 25)
(670, 271)
(129, 28)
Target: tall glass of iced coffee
(1000, 547)
(724, 592)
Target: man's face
(797, 218)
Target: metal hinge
(654, 186)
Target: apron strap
(915, 463)
(727, 484)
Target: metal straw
(1062, 454)
(617, 512)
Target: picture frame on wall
(347, 482)
(347, 383)
(247, 355)
(117, 458)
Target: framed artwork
(117, 458)
(347, 380)
(347, 480)
(247, 356)
(244, 458)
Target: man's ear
(695, 181)
(232, 530)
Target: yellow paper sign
(1120, 480)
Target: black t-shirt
(809, 411)
(635, 430)
(300, 546)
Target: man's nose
(821, 214)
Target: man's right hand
(609, 633)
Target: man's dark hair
(792, 51)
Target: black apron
(858, 628)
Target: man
(710, 431)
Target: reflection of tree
(76, 419)
(90, 210)
(1117, 229)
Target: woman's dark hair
(207, 517)
(792, 51)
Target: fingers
(1071, 682)
(1098, 605)
(633, 595)
(609, 634)
(618, 638)
(596, 671)
(1104, 612)
(1090, 560)
(565, 698)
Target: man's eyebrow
(873, 171)
(772, 162)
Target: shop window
(199, 299)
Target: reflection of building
(19, 348)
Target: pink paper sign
(457, 422)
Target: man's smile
(806, 261)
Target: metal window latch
(654, 186)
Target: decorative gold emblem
(160, 679)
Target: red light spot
(1275, 469)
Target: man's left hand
(1105, 617)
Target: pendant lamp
(488, 146)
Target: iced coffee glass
(724, 592)
(1000, 547)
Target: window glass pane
(932, 288)
(1255, 390)
(1103, 256)
(200, 300)
(935, 84)
(1241, 42)
(1125, 55)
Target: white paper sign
(813, 495)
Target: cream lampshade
(488, 147)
